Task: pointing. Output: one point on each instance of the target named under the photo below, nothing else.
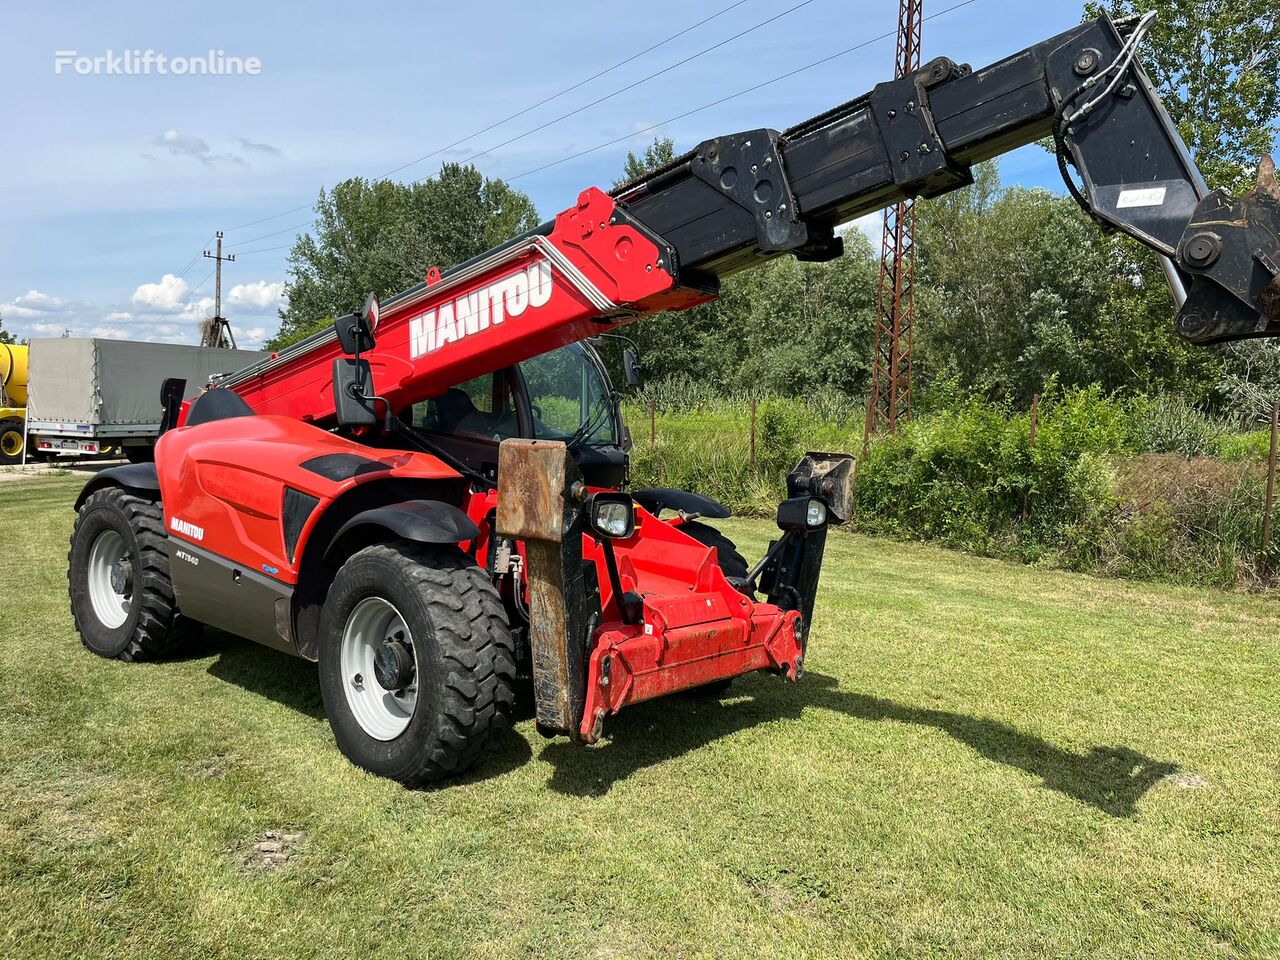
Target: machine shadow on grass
(293, 683)
(1112, 779)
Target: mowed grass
(983, 760)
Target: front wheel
(417, 662)
(118, 576)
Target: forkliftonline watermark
(148, 63)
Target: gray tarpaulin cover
(117, 381)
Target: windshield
(569, 397)
(569, 400)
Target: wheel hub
(110, 577)
(379, 668)
(122, 577)
(393, 664)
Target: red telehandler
(431, 499)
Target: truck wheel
(734, 564)
(417, 662)
(139, 452)
(118, 577)
(10, 441)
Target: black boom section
(736, 200)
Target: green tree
(5, 335)
(662, 151)
(1018, 286)
(787, 327)
(379, 236)
(1217, 67)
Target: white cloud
(253, 337)
(164, 295)
(109, 333)
(184, 145)
(872, 225)
(31, 305)
(259, 295)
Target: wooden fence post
(753, 433)
(1271, 480)
(653, 421)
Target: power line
(632, 86)
(520, 113)
(733, 96)
(680, 116)
(167, 283)
(276, 233)
(249, 253)
(183, 302)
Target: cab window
(482, 408)
(569, 397)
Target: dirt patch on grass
(271, 851)
(1185, 780)
(216, 767)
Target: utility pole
(890, 400)
(218, 332)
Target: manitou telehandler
(431, 499)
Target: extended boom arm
(664, 241)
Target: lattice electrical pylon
(890, 399)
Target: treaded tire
(464, 651)
(153, 627)
(12, 440)
(734, 564)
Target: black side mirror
(356, 331)
(631, 367)
(353, 396)
(172, 392)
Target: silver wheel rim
(107, 559)
(382, 714)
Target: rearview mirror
(356, 331)
(353, 396)
(631, 367)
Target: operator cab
(561, 395)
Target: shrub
(1170, 424)
(1193, 520)
(972, 477)
(1254, 445)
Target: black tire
(139, 453)
(11, 442)
(152, 627)
(463, 651)
(734, 564)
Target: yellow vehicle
(13, 401)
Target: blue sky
(111, 185)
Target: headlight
(802, 513)
(612, 515)
(816, 515)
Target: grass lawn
(983, 759)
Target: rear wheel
(734, 564)
(11, 441)
(417, 662)
(118, 578)
(139, 452)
